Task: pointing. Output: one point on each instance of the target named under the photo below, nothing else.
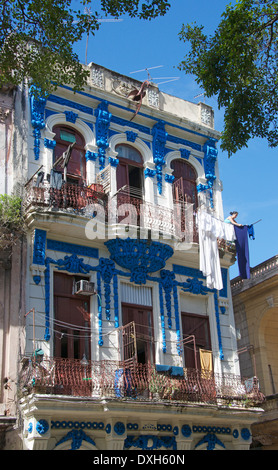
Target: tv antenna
(88, 12)
(150, 78)
(199, 95)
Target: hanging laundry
(251, 232)
(211, 229)
(242, 250)
(206, 362)
(40, 178)
(56, 179)
(208, 249)
(229, 232)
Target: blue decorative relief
(186, 271)
(102, 126)
(77, 436)
(73, 265)
(49, 144)
(159, 141)
(210, 159)
(119, 428)
(245, 434)
(100, 338)
(71, 116)
(91, 156)
(212, 429)
(38, 103)
(39, 247)
(167, 281)
(169, 178)
(185, 153)
(124, 122)
(107, 271)
(150, 442)
(70, 104)
(139, 256)
(235, 434)
(194, 286)
(188, 143)
(72, 248)
(39, 251)
(108, 428)
(209, 163)
(177, 317)
(114, 161)
(116, 300)
(131, 136)
(77, 425)
(42, 426)
(149, 173)
(186, 430)
(162, 318)
(211, 440)
(47, 298)
(216, 306)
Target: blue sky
(249, 177)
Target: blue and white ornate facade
(160, 270)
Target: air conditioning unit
(84, 287)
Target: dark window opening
(197, 326)
(143, 319)
(71, 319)
(76, 169)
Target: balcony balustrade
(126, 208)
(70, 196)
(141, 382)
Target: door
(187, 176)
(76, 169)
(142, 317)
(197, 325)
(71, 319)
(129, 169)
(185, 192)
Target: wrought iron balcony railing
(126, 208)
(121, 380)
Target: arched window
(76, 169)
(130, 168)
(184, 186)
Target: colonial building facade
(128, 330)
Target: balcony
(70, 197)
(116, 380)
(126, 210)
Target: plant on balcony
(157, 384)
(11, 221)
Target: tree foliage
(37, 37)
(11, 221)
(239, 65)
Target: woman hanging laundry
(231, 219)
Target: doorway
(143, 318)
(197, 326)
(71, 319)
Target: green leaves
(10, 211)
(238, 64)
(37, 37)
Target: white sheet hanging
(210, 229)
